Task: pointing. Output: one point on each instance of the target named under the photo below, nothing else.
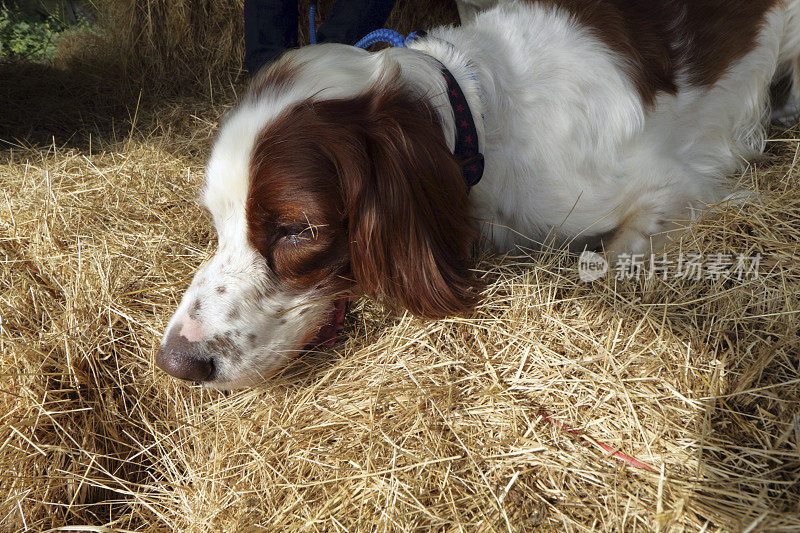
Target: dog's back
(639, 109)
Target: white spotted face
(277, 278)
(237, 324)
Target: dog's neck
(420, 67)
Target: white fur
(570, 151)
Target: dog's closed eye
(293, 234)
(299, 233)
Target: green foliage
(27, 36)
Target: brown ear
(410, 229)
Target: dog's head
(332, 178)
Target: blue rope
(377, 36)
(385, 36)
(312, 21)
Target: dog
(335, 177)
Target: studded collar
(466, 147)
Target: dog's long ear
(410, 229)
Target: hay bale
(141, 56)
(198, 45)
(405, 423)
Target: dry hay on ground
(405, 423)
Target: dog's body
(597, 118)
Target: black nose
(183, 359)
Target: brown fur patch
(720, 32)
(373, 178)
(660, 37)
